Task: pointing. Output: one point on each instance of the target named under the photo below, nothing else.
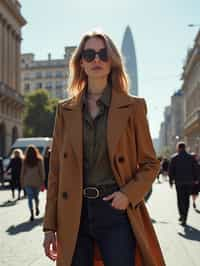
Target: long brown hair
(117, 76)
(32, 156)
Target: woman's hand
(119, 200)
(50, 245)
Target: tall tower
(129, 56)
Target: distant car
(22, 143)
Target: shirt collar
(105, 97)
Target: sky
(160, 32)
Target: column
(18, 77)
(14, 59)
(12, 71)
(5, 52)
(10, 56)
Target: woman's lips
(97, 68)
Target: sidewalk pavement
(21, 240)
(180, 245)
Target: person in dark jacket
(183, 171)
(46, 165)
(196, 185)
(15, 166)
(164, 168)
(1, 171)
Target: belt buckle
(93, 189)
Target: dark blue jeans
(110, 229)
(32, 193)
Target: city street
(21, 241)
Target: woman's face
(95, 65)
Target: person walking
(46, 165)
(160, 170)
(102, 165)
(183, 172)
(32, 177)
(15, 167)
(196, 184)
(1, 172)
(164, 168)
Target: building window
(59, 74)
(49, 75)
(59, 84)
(48, 85)
(26, 76)
(27, 87)
(38, 85)
(38, 75)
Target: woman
(102, 164)
(15, 166)
(32, 177)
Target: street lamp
(177, 138)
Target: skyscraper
(129, 56)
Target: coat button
(65, 155)
(65, 195)
(120, 159)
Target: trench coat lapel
(118, 116)
(73, 116)
(119, 113)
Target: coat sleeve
(148, 165)
(50, 218)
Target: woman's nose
(97, 58)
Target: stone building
(50, 74)
(177, 118)
(172, 128)
(191, 88)
(165, 134)
(11, 100)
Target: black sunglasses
(90, 54)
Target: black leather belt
(95, 192)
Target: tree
(39, 114)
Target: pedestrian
(32, 177)
(15, 166)
(102, 165)
(183, 171)
(164, 168)
(196, 184)
(46, 165)
(1, 172)
(160, 169)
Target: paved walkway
(181, 246)
(21, 241)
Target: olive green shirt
(96, 164)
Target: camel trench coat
(133, 163)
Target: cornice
(15, 11)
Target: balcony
(192, 122)
(7, 92)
